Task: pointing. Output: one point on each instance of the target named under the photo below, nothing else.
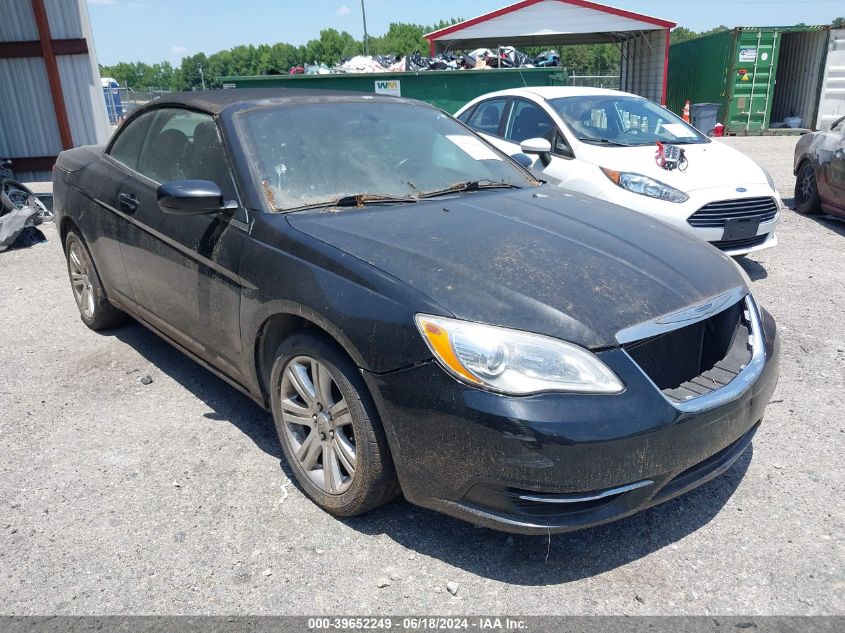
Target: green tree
(838, 23)
(400, 39)
(141, 76)
(189, 74)
(332, 47)
(681, 34)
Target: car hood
(709, 165)
(539, 259)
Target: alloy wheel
(80, 280)
(806, 184)
(318, 425)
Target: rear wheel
(94, 308)
(329, 429)
(807, 190)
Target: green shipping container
(446, 89)
(762, 77)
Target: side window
(528, 120)
(487, 116)
(184, 145)
(127, 146)
(561, 147)
(466, 114)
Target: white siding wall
(27, 118)
(18, 22)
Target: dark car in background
(820, 171)
(417, 311)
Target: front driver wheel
(329, 429)
(806, 190)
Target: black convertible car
(417, 311)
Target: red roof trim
(665, 69)
(527, 3)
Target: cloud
(179, 50)
(343, 10)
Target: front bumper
(677, 215)
(558, 462)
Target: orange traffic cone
(686, 111)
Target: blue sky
(157, 30)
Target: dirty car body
(819, 168)
(540, 361)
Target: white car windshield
(620, 120)
(367, 152)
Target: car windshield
(367, 152)
(623, 121)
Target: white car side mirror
(538, 146)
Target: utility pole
(202, 76)
(366, 38)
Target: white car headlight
(645, 186)
(514, 362)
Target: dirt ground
(118, 497)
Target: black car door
(183, 269)
(104, 180)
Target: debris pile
(479, 59)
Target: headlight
(514, 362)
(645, 186)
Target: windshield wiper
(470, 185)
(358, 200)
(601, 141)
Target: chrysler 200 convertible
(419, 313)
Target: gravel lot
(169, 498)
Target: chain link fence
(595, 81)
(121, 102)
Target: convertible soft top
(215, 101)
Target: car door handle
(128, 202)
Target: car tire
(94, 307)
(807, 199)
(331, 420)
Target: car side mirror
(190, 197)
(538, 146)
(523, 159)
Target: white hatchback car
(603, 143)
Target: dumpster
(446, 89)
(705, 116)
(760, 76)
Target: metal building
(643, 41)
(50, 93)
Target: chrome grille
(713, 215)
